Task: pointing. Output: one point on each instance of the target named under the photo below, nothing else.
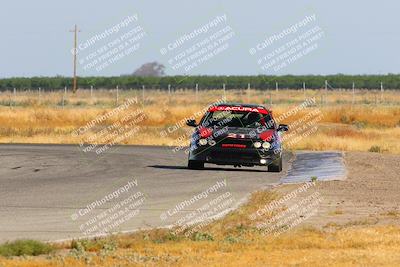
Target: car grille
(229, 154)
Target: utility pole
(75, 51)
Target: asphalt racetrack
(56, 192)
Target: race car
(238, 135)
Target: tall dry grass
(367, 121)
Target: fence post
(326, 92)
(143, 94)
(117, 96)
(270, 97)
(353, 90)
(223, 88)
(248, 93)
(62, 98)
(91, 91)
(169, 93)
(304, 90)
(381, 92)
(276, 86)
(197, 92)
(15, 96)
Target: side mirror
(191, 123)
(283, 128)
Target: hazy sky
(355, 37)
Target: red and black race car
(238, 135)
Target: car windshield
(242, 119)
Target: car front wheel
(276, 165)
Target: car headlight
(257, 144)
(266, 145)
(203, 142)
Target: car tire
(195, 165)
(275, 166)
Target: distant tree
(151, 69)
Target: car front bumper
(234, 156)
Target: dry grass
(348, 127)
(336, 212)
(233, 241)
(392, 213)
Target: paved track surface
(44, 189)
(324, 166)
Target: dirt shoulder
(370, 195)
